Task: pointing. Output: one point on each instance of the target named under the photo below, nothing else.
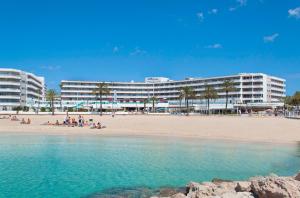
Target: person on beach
(99, 125)
(47, 123)
(14, 118)
(57, 123)
(23, 121)
(93, 126)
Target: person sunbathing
(23, 121)
(28, 121)
(46, 123)
(93, 126)
(14, 118)
(99, 125)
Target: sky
(124, 40)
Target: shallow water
(77, 166)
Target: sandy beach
(260, 129)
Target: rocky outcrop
(258, 187)
(297, 177)
(275, 187)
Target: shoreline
(154, 136)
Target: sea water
(82, 166)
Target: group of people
(80, 122)
(26, 122)
(4, 117)
(15, 118)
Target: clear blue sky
(130, 39)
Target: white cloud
(240, 3)
(215, 46)
(116, 49)
(294, 13)
(213, 11)
(200, 16)
(51, 68)
(271, 38)
(137, 51)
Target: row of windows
(9, 100)
(172, 83)
(277, 81)
(252, 77)
(9, 94)
(9, 87)
(9, 73)
(10, 80)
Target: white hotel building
(255, 90)
(20, 88)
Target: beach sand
(257, 129)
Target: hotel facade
(20, 88)
(255, 90)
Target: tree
(180, 98)
(50, 96)
(296, 99)
(187, 93)
(146, 100)
(292, 100)
(209, 94)
(17, 109)
(39, 100)
(228, 86)
(60, 100)
(101, 91)
(153, 99)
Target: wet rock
(167, 192)
(217, 180)
(138, 192)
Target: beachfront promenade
(240, 128)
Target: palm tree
(61, 107)
(187, 93)
(180, 97)
(39, 100)
(153, 99)
(146, 100)
(209, 94)
(50, 96)
(287, 101)
(228, 86)
(101, 91)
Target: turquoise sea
(83, 166)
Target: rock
(217, 180)
(297, 177)
(237, 195)
(179, 195)
(166, 192)
(275, 187)
(243, 186)
(210, 189)
(271, 186)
